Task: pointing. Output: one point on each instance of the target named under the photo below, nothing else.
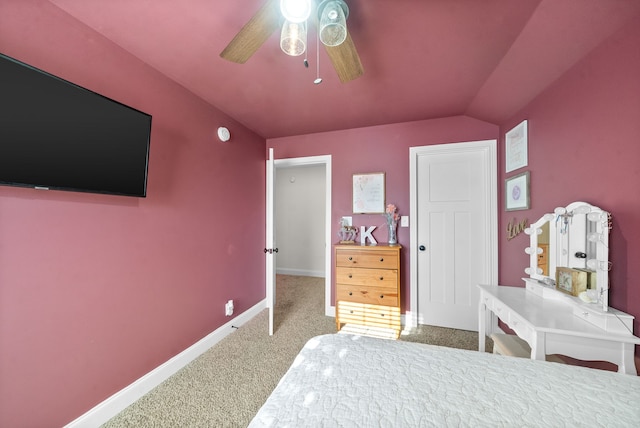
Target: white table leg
(482, 325)
(627, 364)
(538, 349)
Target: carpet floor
(226, 386)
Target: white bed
(354, 381)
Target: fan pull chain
(318, 78)
(306, 45)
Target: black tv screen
(57, 135)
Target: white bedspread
(354, 381)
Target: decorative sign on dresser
(368, 288)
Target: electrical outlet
(228, 308)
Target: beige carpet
(226, 385)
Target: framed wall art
(571, 281)
(516, 151)
(516, 192)
(369, 193)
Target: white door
(270, 249)
(454, 240)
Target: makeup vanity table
(556, 322)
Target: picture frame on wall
(368, 192)
(571, 281)
(517, 192)
(516, 147)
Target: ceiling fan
(269, 18)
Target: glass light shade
(293, 38)
(583, 209)
(295, 10)
(333, 23)
(594, 216)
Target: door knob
(422, 248)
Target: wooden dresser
(368, 286)
(543, 259)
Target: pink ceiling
(422, 58)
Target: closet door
(455, 228)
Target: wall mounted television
(57, 135)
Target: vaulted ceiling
(422, 59)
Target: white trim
(301, 272)
(122, 399)
(489, 146)
(329, 309)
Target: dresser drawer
(372, 295)
(369, 315)
(501, 310)
(487, 300)
(387, 278)
(522, 329)
(383, 259)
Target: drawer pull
(350, 312)
(381, 259)
(381, 279)
(350, 276)
(350, 258)
(350, 293)
(382, 296)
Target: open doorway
(302, 202)
(299, 220)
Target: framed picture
(368, 193)
(571, 281)
(516, 147)
(516, 192)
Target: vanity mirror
(576, 237)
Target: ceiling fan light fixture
(333, 22)
(295, 10)
(293, 38)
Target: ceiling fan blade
(345, 60)
(254, 33)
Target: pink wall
(97, 290)
(379, 149)
(584, 145)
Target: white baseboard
(300, 272)
(119, 401)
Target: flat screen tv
(57, 135)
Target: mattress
(355, 381)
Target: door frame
(490, 147)
(326, 161)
